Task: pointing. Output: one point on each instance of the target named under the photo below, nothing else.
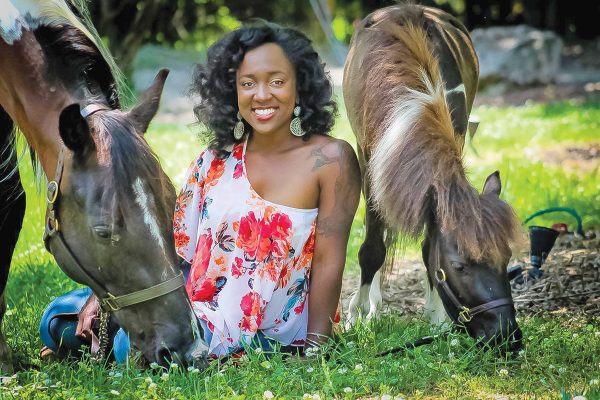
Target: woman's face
(266, 90)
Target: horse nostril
(163, 356)
(509, 339)
(166, 357)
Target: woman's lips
(264, 114)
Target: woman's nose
(262, 92)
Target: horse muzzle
(183, 354)
(494, 329)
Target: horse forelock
(29, 15)
(415, 166)
(130, 160)
(483, 225)
(499, 231)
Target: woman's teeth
(264, 111)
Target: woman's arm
(340, 185)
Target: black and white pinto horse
(409, 84)
(110, 205)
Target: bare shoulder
(336, 164)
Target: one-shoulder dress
(250, 258)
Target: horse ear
(492, 185)
(74, 130)
(472, 125)
(142, 114)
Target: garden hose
(409, 345)
(559, 209)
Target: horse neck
(32, 101)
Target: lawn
(535, 147)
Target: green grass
(516, 141)
(562, 354)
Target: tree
(126, 25)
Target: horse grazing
(110, 205)
(409, 84)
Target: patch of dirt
(571, 281)
(502, 94)
(571, 158)
(403, 291)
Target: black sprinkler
(541, 241)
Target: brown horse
(110, 204)
(409, 84)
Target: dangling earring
(238, 131)
(295, 125)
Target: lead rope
(102, 336)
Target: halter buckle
(109, 303)
(440, 275)
(52, 192)
(51, 226)
(464, 315)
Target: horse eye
(457, 265)
(103, 231)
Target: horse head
(473, 285)
(115, 210)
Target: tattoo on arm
(346, 185)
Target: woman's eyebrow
(252, 75)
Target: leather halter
(52, 234)
(465, 314)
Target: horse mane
(72, 17)
(85, 63)
(416, 165)
(65, 32)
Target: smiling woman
(264, 215)
(266, 89)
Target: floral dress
(250, 258)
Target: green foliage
(562, 356)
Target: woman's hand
(85, 318)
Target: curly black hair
(215, 82)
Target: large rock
(517, 54)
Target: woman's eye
(103, 231)
(277, 82)
(246, 84)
